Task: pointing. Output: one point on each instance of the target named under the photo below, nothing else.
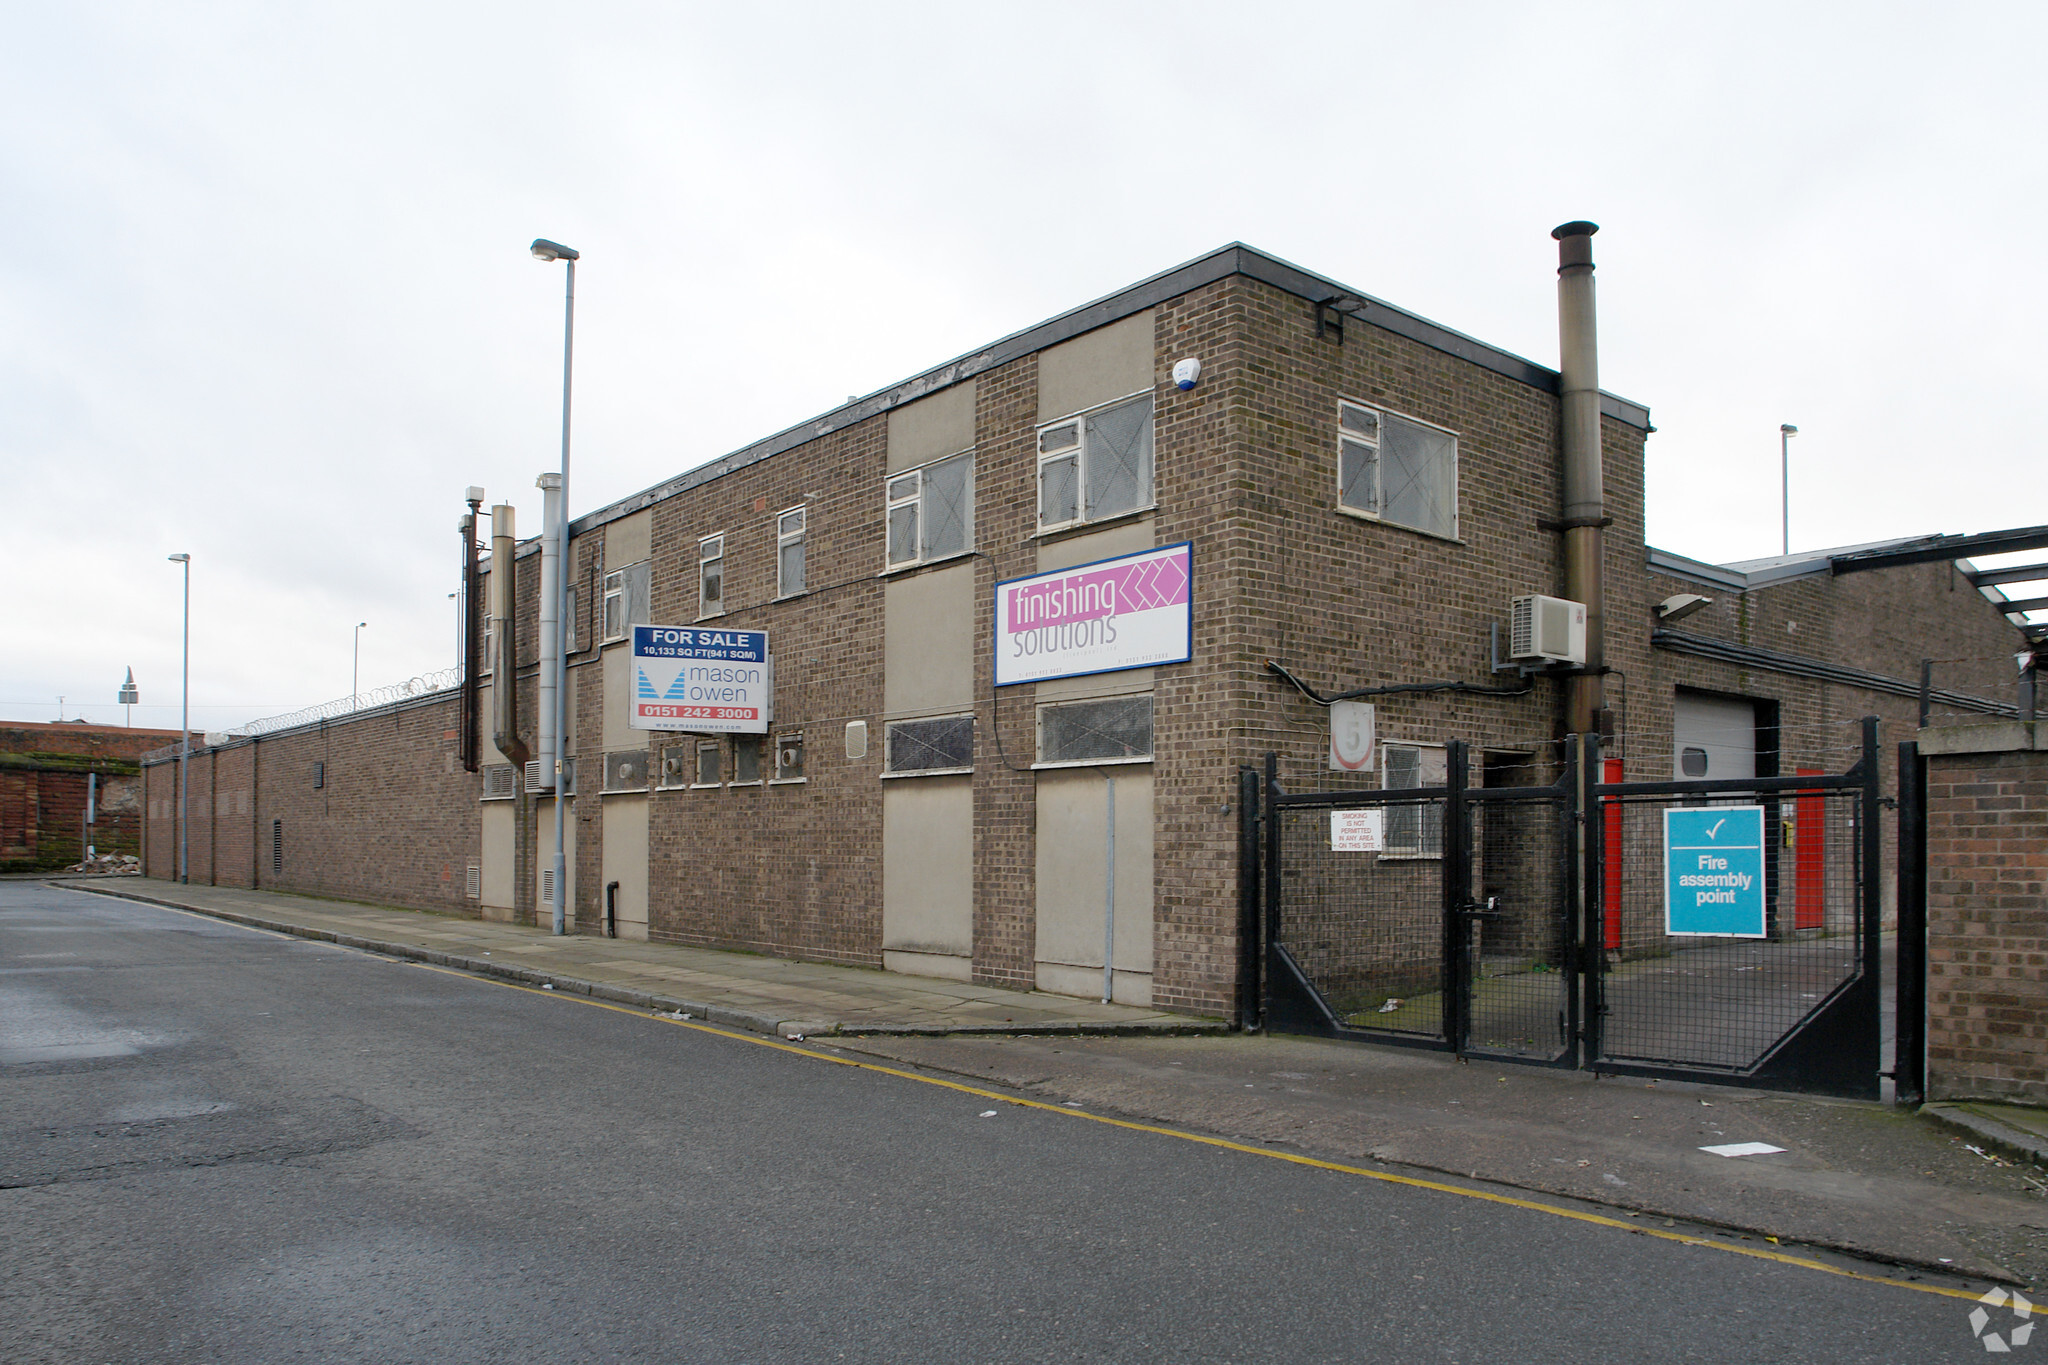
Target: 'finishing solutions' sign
(1130, 612)
(715, 681)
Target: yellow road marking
(1386, 1177)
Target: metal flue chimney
(504, 670)
(1585, 503)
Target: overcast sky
(268, 298)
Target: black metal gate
(1371, 924)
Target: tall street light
(185, 724)
(557, 605)
(1785, 435)
(355, 672)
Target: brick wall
(1987, 924)
(44, 773)
(395, 820)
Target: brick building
(1352, 492)
(49, 773)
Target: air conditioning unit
(1547, 629)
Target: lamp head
(545, 250)
(181, 559)
(1789, 430)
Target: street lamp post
(545, 250)
(1785, 435)
(355, 672)
(185, 725)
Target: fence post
(1249, 1001)
(1909, 1046)
(1586, 821)
(1271, 864)
(1457, 889)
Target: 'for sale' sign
(717, 681)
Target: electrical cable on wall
(1391, 689)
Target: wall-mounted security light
(1679, 606)
(1187, 373)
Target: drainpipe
(504, 669)
(1585, 505)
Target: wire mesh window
(945, 743)
(931, 511)
(709, 770)
(789, 758)
(675, 765)
(1415, 829)
(626, 771)
(746, 759)
(711, 575)
(1096, 465)
(1117, 728)
(1397, 469)
(789, 552)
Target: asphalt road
(217, 1144)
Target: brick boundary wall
(1987, 914)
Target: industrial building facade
(1344, 497)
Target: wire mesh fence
(1519, 984)
(423, 685)
(1719, 1002)
(1366, 928)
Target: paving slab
(745, 990)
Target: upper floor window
(711, 575)
(944, 744)
(1397, 469)
(931, 511)
(1096, 464)
(1113, 730)
(789, 552)
(626, 604)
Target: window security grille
(789, 553)
(1397, 469)
(1414, 830)
(277, 848)
(500, 783)
(942, 744)
(626, 771)
(473, 882)
(746, 759)
(931, 511)
(789, 758)
(708, 767)
(1096, 465)
(711, 575)
(675, 766)
(1115, 728)
(319, 774)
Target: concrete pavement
(739, 990)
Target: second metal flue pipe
(1585, 502)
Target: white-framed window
(1095, 464)
(1110, 730)
(1397, 469)
(626, 600)
(789, 552)
(711, 575)
(940, 744)
(710, 771)
(789, 757)
(931, 511)
(746, 760)
(1414, 829)
(490, 645)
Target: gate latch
(1481, 909)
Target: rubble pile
(109, 865)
